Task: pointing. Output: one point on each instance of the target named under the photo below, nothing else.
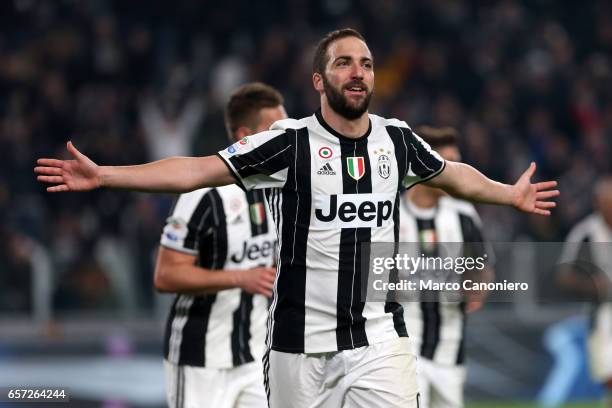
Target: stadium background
(130, 82)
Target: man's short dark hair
(320, 56)
(438, 137)
(246, 102)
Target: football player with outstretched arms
(326, 346)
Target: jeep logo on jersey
(353, 210)
(355, 167)
(384, 166)
(254, 251)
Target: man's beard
(340, 104)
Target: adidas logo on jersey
(326, 170)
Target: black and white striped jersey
(328, 194)
(590, 233)
(437, 328)
(225, 229)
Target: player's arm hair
(175, 175)
(177, 272)
(464, 181)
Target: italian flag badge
(355, 167)
(258, 213)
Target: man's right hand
(79, 174)
(257, 280)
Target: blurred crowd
(134, 81)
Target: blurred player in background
(326, 346)
(429, 216)
(588, 252)
(216, 253)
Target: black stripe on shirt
(213, 255)
(241, 332)
(180, 387)
(268, 158)
(192, 349)
(289, 306)
(461, 352)
(411, 154)
(214, 247)
(473, 245)
(199, 219)
(431, 328)
(273, 196)
(401, 153)
(207, 213)
(430, 310)
(168, 331)
(266, 369)
(423, 163)
(174, 203)
(401, 158)
(350, 329)
(233, 172)
(391, 305)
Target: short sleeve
(261, 160)
(190, 218)
(423, 162)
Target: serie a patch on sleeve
(176, 229)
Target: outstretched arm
(174, 175)
(464, 181)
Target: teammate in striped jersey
(327, 346)
(216, 253)
(429, 216)
(589, 241)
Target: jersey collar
(339, 135)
